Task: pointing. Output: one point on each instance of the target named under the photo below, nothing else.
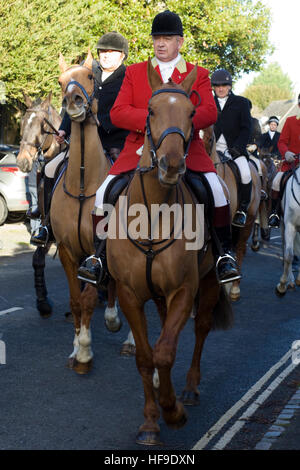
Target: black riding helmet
(113, 41)
(221, 77)
(167, 23)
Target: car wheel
(16, 217)
(3, 211)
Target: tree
(271, 84)
(218, 33)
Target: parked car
(13, 184)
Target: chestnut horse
(164, 268)
(38, 143)
(240, 235)
(74, 197)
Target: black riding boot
(226, 265)
(240, 216)
(274, 219)
(45, 231)
(94, 268)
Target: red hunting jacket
(289, 140)
(131, 108)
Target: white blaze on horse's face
(32, 116)
(172, 100)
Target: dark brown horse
(164, 268)
(38, 143)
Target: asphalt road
(45, 405)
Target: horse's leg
(149, 431)
(38, 264)
(111, 317)
(84, 354)
(255, 237)
(203, 324)
(75, 294)
(128, 347)
(241, 246)
(287, 275)
(179, 309)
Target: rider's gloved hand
(289, 156)
(61, 137)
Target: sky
(285, 36)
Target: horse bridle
(166, 132)
(81, 197)
(147, 247)
(40, 150)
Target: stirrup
(276, 222)
(81, 277)
(233, 277)
(242, 213)
(263, 195)
(35, 241)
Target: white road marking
(228, 436)
(215, 429)
(10, 310)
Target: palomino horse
(73, 200)
(240, 235)
(290, 231)
(162, 267)
(38, 143)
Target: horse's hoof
(291, 286)
(255, 247)
(279, 293)
(82, 368)
(113, 326)
(297, 282)
(128, 350)
(149, 438)
(190, 398)
(176, 418)
(235, 297)
(44, 307)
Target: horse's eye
(151, 113)
(193, 114)
(90, 77)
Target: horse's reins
(81, 197)
(146, 247)
(295, 177)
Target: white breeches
(276, 181)
(53, 164)
(212, 178)
(258, 164)
(244, 168)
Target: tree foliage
(271, 84)
(218, 33)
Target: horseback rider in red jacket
(130, 111)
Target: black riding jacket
(234, 122)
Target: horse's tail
(223, 312)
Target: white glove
(289, 156)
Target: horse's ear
(153, 78)
(62, 63)
(46, 103)
(28, 100)
(89, 60)
(189, 80)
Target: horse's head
(35, 136)
(77, 84)
(170, 124)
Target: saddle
(286, 176)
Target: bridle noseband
(166, 132)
